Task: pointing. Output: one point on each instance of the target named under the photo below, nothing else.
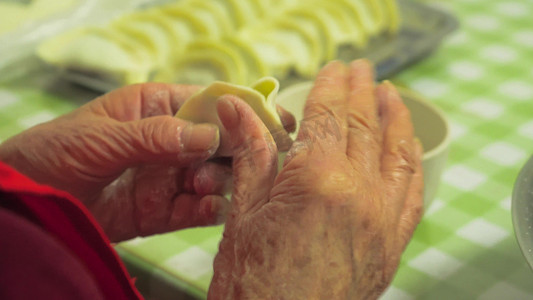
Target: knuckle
(366, 133)
(116, 138)
(323, 125)
(153, 99)
(318, 109)
(326, 92)
(362, 121)
(153, 135)
(403, 154)
(149, 90)
(330, 186)
(298, 149)
(260, 153)
(324, 81)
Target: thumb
(254, 154)
(163, 139)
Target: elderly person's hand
(137, 168)
(334, 222)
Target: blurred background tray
(423, 28)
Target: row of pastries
(239, 41)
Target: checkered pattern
(464, 248)
(482, 77)
(23, 108)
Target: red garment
(52, 248)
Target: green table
(464, 248)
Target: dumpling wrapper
(106, 53)
(345, 24)
(303, 47)
(242, 11)
(308, 19)
(201, 107)
(152, 31)
(206, 61)
(393, 14)
(274, 54)
(216, 13)
(255, 66)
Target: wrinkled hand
(136, 167)
(334, 222)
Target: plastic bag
(17, 46)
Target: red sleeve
(66, 219)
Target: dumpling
(204, 62)
(100, 52)
(201, 107)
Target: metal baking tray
(422, 29)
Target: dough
(206, 61)
(236, 41)
(108, 51)
(201, 107)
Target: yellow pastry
(254, 64)
(201, 107)
(302, 46)
(197, 41)
(206, 61)
(97, 51)
(308, 19)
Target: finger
(254, 154)
(152, 189)
(194, 210)
(161, 139)
(158, 209)
(212, 178)
(287, 119)
(398, 161)
(281, 137)
(414, 203)
(325, 111)
(145, 100)
(362, 106)
(364, 138)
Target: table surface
(464, 248)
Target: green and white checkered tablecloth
(464, 248)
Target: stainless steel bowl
(522, 210)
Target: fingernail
(334, 62)
(287, 119)
(392, 94)
(200, 137)
(361, 62)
